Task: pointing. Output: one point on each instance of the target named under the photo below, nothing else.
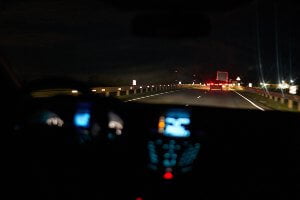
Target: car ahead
(217, 85)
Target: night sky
(93, 42)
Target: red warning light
(168, 176)
(139, 198)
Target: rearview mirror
(171, 25)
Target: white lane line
(260, 108)
(151, 96)
(199, 97)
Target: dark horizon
(93, 42)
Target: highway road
(190, 97)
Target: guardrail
(131, 90)
(291, 101)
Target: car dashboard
(100, 148)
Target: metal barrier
(129, 90)
(290, 101)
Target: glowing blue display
(176, 124)
(82, 119)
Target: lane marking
(260, 108)
(152, 95)
(199, 97)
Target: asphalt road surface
(227, 99)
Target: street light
(134, 82)
(238, 78)
(293, 89)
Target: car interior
(92, 147)
(95, 147)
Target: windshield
(243, 56)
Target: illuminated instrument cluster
(173, 150)
(87, 127)
(85, 119)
